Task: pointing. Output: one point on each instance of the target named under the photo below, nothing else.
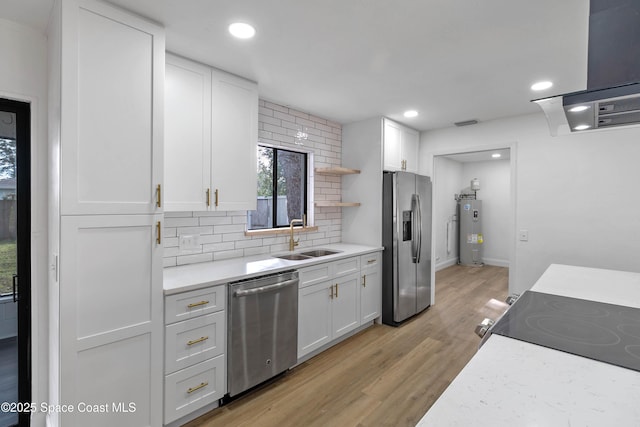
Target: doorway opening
(493, 169)
(15, 264)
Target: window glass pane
(8, 202)
(291, 186)
(262, 217)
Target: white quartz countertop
(196, 276)
(513, 383)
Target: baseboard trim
(496, 262)
(447, 263)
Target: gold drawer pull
(196, 304)
(364, 280)
(371, 261)
(198, 387)
(158, 232)
(216, 193)
(197, 341)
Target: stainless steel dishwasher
(262, 329)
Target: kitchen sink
(319, 252)
(293, 257)
(301, 256)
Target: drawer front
(371, 260)
(314, 274)
(188, 305)
(347, 266)
(194, 341)
(192, 388)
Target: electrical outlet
(189, 241)
(524, 235)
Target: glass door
(15, 330)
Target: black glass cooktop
(604, 332)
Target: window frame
(308, 188)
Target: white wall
(574, 193)
(447, 181)
(495, 194)
(23, 77)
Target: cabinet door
(110, 305)
(234, 143)
(314, 317)
(392, 139)
(345, 305)
(409, 149)
(187, 170)
(111, 112)
(371, 294)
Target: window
(282, 188)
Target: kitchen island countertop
(195, 276)
(514, 383)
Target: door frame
(513, 150)
(22, 110)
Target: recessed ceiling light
(581, 127)
(578, 108)
(541, 85)
(495, 155)
(242, 30)
(411, 113)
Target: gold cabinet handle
(198, 387)
(336, 290)
(216, 197)
(371, 261)
(196, 304)
(158, 232)
(208, 197)
(364, 280)
(159, 196)
(201, 339)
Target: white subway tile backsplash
(222, 235)
(193, 259)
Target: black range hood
(612, 97)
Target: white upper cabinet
(111, 150)
(234, 138)
(187, 134)
(400, 147)
(211, 135)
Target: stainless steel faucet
(293, 243)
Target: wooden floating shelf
(337, 171)
(331, 203)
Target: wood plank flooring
(383, 376)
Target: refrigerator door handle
(414, 228)
(419, 227)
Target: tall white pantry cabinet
(106, 130)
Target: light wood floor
(383, 376)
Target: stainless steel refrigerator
(406, 237)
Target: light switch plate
(189, 241)
(524, 235)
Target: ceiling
(480, 156)
(348, 60)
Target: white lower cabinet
(345, 305)
(195, 359)
(371, 287)
(332, 300)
